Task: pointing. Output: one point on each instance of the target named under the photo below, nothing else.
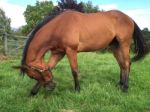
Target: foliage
(17, 31)
(82, 7)
(4, 23)
(35, 14)
(146, 33)
(4, 28)
(89, 7)
(99, 74)
(70, 4)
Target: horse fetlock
(120, 82)
(77, 88)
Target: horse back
(81, 31)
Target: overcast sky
(139, 10)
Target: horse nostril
(50, 86)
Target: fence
(12, 45)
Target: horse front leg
(72, 57)
(35, 89)
(55, 58)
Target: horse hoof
(124, 89)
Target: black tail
(141, 49)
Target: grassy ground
(99, 75)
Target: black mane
(64, 4)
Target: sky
(139, 10)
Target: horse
(71, 32)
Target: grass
(99, 74)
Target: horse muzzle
(50, 85)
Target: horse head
(44, 77)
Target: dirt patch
(65, 110)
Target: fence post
(5, 44)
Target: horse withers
(72, 32)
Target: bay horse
(72, 32)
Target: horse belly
(94, 44)
(95, 40)
(96, 34)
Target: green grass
(99, 74)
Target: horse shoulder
(67, 29)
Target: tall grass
(99, 74)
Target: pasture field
(99, 74)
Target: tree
(4, 27)
(89, 7)
(82, 7)
(70, 4)
(4, 23)
(146, 34)
(35, 14)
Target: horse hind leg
(125, 66)
(121, 54)
(115, 48)
(118, 55)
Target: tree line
(34, 14)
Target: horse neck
(36, 51)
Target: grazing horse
(72, 32)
